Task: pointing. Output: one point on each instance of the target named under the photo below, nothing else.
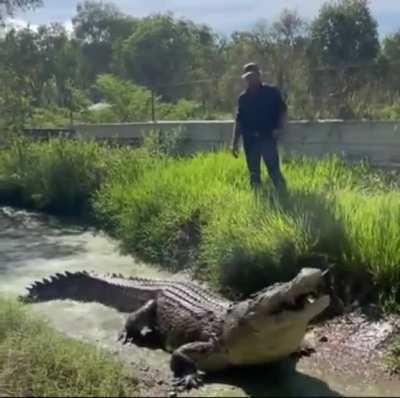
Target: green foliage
(126, 167)
(161, 51)
(15, 101)
(36, 361)
(50, 117)
(58, 175)
(181, 110)
(371, 226)
(100, 22)
(250, 243)
(336, 23)
(194, 72)
(163, 143)
(391, 47)
(363, 108)
(100, 29)
(133, 103)
(46, 56)
(129, 102)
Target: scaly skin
(203, 331)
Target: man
(260, 112)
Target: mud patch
(354, 347)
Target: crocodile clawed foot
(187, 382)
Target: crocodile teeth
(310, 299)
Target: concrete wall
(375, 141)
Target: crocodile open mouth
(298, 303)
(308, 297)
(301, 301)
(305, 296)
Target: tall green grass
(37, 361)
(61, 175)
(199, 213)
(58, 175)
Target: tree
(9, 7)
(344, 43)
(129, 102)
(160, 52)
(47, 57)
(284, 47)
(290, 37)
(344, 33)
(99, 28)
(20, 54)
(15, 101)
(59, 59)
(391, 47)
(390, 61)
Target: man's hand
(235, 140)
(235, 149)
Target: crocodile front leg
(185, 360)
(139, 324)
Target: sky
(225, 16)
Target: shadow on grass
(331, 243)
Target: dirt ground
(347, 358)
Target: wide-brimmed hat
(250, 69)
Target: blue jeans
(263, 145)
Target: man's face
(253, 80)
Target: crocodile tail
(79, 286)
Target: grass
(37, 361)
(198, 213)
(393, 360)
(59, 175)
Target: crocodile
(203, 331)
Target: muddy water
(33, 246)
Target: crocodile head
(271, 324)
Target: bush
(51, 117)
(163, 143)
(36, 361)
(59, 175)
(132, 103)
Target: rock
(323, 339)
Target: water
(34, 246)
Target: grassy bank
(199, 213)
(61, 176)
(393, 360)
(36, 361)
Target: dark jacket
(261, 110)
